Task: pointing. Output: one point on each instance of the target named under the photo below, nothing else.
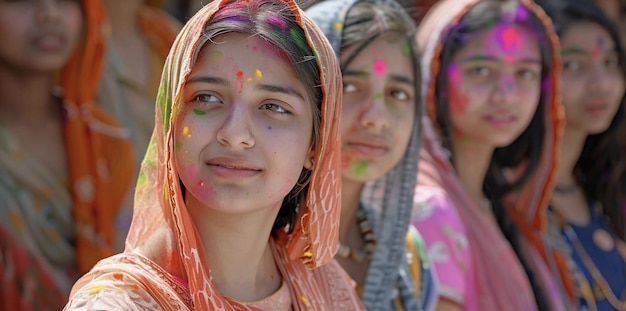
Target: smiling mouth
(232, 169)
(500, 120)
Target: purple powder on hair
(522, 13)
(277, 22)
(236, 18)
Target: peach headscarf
(164, 231)
(527, 205)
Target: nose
(505, 90)
(375, 115)
(48, 10)
(600, 79)
(235, 130)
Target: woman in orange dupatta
(65, 166)
(140, 38)
(489, 151)
(238, 200)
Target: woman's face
(378, 107)
(494, 85)
(38, 35)
(244, 132)
(593, 80)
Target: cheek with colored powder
(359, 167)
(457, 99)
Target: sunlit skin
(494, 85)
(42, 34)
(378, 108)
(593, 81)
(241, 146)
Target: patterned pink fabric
(164, 266)
(446, 242)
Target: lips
(50, 42)
(500, 119)
(233, 168)
(372, 149)
(598, 106)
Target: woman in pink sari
(489, 81)
(238, 199)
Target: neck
(25, 98)
(350, 199)
(471, 161)
(123, 18)
(238, 250)
(570, 151)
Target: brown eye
(571, 65)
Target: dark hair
(273, 21)
(526, 148)
(367, 21)
(601, 168)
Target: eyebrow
(207, 79)
(484, 57)
(573, 49)
(279, 89)
(363, 73)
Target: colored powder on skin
(178, 146)
(378, 96)
(406, 50)
(457, 100)
(186, 132)
(240, 80)
(354, 129)
(345, 161)
(360, 167)
(511, 39)
(217, 53)
(201, 183)
(380, 67)
(277, 22)
(509, 59)
(199, 112)
(249, 79)
(258, 74)
(269, 127)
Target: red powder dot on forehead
(239, 74)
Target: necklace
(366, 252)
(600, 287)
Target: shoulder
(127, 282)
(433, 207)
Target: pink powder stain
(354, 129)
(509, 60)
(457, 100)
(595, 53)
(511, 39)
(240, 80)
(380, 67)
